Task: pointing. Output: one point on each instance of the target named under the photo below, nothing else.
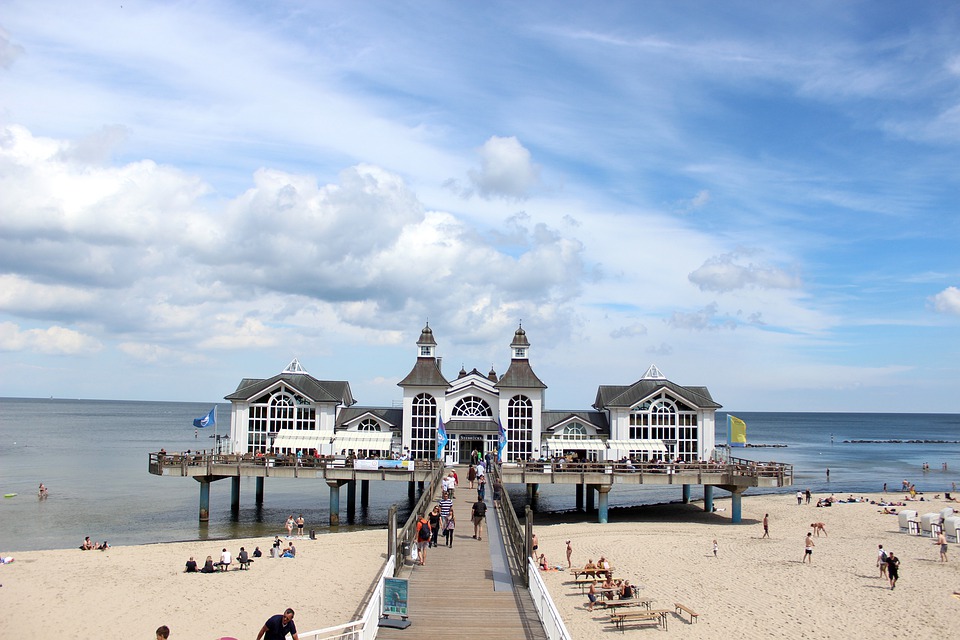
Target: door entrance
(469, 444)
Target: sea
(93, 457)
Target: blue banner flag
(501, 441)
(208, 420)
(442, 439)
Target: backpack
(424, 532)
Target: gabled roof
(425, 373)
(393, 417)
(335, 391)
(520, 375)
(616, 396)
(595, 418)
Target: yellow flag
(737, 431)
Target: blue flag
(501, 441)
(442, 439)
(208, 420)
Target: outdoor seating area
(621, 600)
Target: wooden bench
(694, 616)
(655, 616)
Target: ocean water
(93, 457)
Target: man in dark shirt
(277, 627)
(479, 513)
(191, 565)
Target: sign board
(395, 596)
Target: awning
(566, 444)
(375, 440)
(637, 445)
(294, 439)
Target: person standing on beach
(569, 555)
(300, 526)
(766, 526)
(893, 569)
(808, 549)
(716, 548)
(277, 627)
(799, 498)
(942, 541)
(289, 525)
(808, 495)
(882, 561)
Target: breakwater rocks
(755, 446)
(901, 442)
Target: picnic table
(622, 618)
(594, 572)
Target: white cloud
(629, 331)
(723, 273)
(506, 170)
(9, 51)
(947, 301)
(51, 341)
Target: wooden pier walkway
(465, 591)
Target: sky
(759, 198)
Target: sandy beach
(755, 588)
(758, 588)
(130, 591)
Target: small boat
(9, 495)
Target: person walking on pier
(472, 475)
(446, 506)
(479, 513)
(423, 539)
(448, 529)
(434, 520)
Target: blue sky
(756, 197)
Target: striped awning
(294, 439)
(566, 444)
(637, 445)
(368, 440)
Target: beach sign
(736, 431)
(395, 593)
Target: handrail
(546, 609)
(405, 533)
(736, 466)
(364, 628)
(514, 533)
(201, 459)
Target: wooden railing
(203, 459)
(736, 466)
(406, 533)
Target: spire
(492, 376)
(426, 345)
(520, 346)
(295, 367)
(653, 373)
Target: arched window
(472, 407)
(574, 431)
(519, 428)
(369, 425)
(423, 434)
(280, 408)
(669, 419)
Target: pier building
(651, 431)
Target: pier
(592, 481)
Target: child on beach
(716, 548)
